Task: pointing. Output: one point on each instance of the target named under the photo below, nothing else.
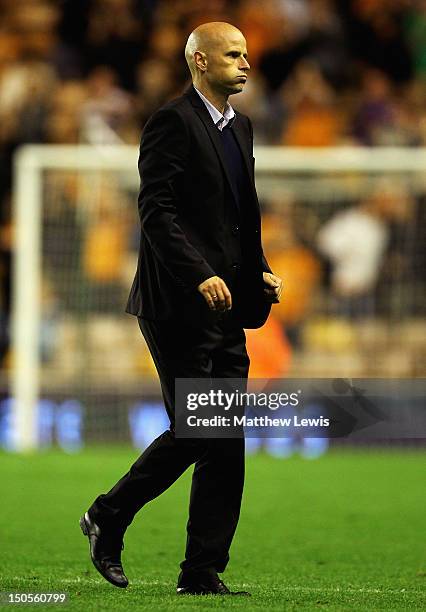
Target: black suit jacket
(191, 226)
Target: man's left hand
(273, 287)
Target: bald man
(201, 279)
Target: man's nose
(244, 64)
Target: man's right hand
(216, 294)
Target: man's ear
(200, 60)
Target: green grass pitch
(345, 532)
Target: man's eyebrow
(232, 51)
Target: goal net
(343, 227)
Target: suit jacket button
(235, 230)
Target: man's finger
(209, 300)
(219, 298)
(227, 296)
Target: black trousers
(218, 351)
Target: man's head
(216, 54)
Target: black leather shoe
(105, 551)
(204, 584)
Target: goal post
(26, 297)
(101, 163)
(29, 163)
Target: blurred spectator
(64, 123)
(106, 108)
(310, 31)
(36, 24)
(356, 240)
(326, 42)
(115, 37)
(26, 78)
(253, 101)
(313, 118)
(380, 119)
(25, 101)
(269, 350)
(263, 24)
(191, 13)
(296, 264)
(155, 83)
(415, 97)
(104, 249)
(375, 30)
(277, 63)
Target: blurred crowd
(323, 73)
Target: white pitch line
(257, 586)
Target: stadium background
(350, 247)
(324, 73)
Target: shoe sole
(84, 528)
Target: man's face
(227, 64)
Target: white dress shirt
(220, 120)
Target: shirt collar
(220, 120)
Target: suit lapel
(216, 138)
(214, 133)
